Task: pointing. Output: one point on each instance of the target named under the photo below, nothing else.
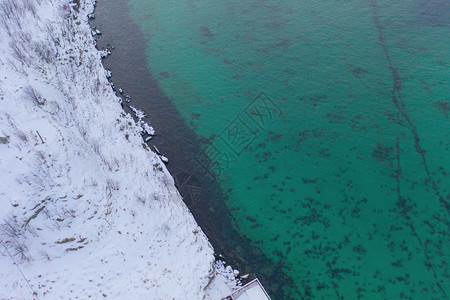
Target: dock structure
(251, 291)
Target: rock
(104, 53)
(164, 159)
(156, 150)
(4, 140)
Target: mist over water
(326, 126)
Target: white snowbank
(86, 210)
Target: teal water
(328, 129)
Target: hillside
(86, 209)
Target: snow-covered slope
(86, 210)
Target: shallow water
(197, 184)
(326, 126)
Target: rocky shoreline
(85, 209)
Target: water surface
(325, 127)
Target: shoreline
(174, 138)
(81, 203)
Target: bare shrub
(32, 231)
(140, 199)
(24, 37)
(66, 10)
(72, 102)
(12, 238)
(56, 109)
(29, 5)
(10, 229)
(97, 85)
(67, 30)
(18, 52)
(165, 228)
(116, 163)
(41, 178)
(44, 254)
(69, 213)
(40, 155)
(113, 185)
(19, 133)
(9, 7)
(16, 19)
(4, 21)
(51, 30)
(165, 180)
(95, 146)
(82, 129)
(44, 52)
(12, 63)
(22, 135)
(106, 162)
(34, 95)
(19, 249)
(40, 181)
(94, 182)
(156, 197)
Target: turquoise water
(328, 129)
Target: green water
(329, 132)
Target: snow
(251, 291)
(85, 210)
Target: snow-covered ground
(86, 209)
